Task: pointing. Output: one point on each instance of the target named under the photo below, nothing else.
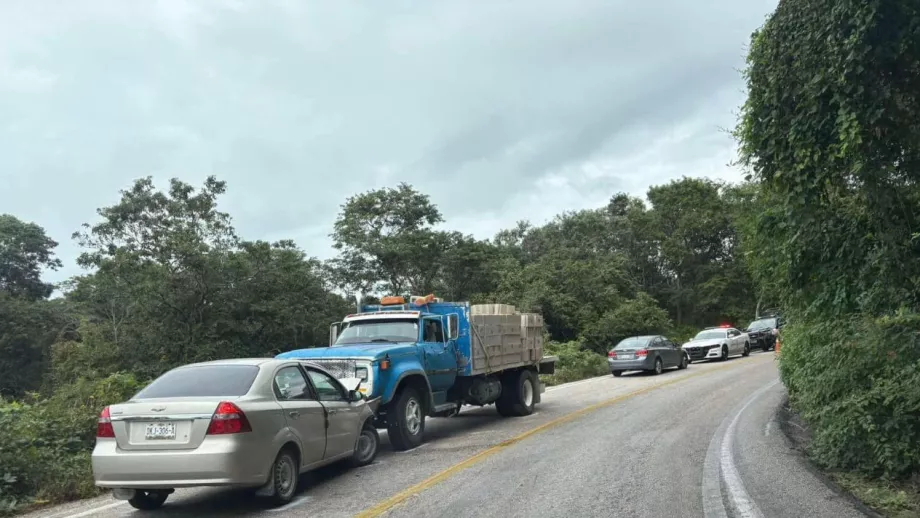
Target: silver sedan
(249, 423)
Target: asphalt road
(698, 443)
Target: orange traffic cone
(776, 349)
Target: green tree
(25, 250)
(386, 242)
(829, 131)
(636, 317)
(29, 324)
(696, 239)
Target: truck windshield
(364, 331)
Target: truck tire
(519, 394)
(406, 420)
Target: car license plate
(624, 357)
(160, 431)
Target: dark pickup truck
(763, 331)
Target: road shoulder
(798, 435)
(779, 478)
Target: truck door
(440, 358)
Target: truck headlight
(365, 374)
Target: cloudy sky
(500, 111)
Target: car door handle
(333, 411)
(295, 414)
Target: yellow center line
(407, 493)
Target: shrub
(857, 381)
(640, 316)
(45, 444)
(575, 363)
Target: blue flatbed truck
(428, 358)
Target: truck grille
(338, 368)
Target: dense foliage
(169, 282)
(830, 133)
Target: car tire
(406, 431)
(684, 362)
(747, 349)
(658, 367)
(285, 477)
(148, 500)
(617, 374)
(366, 446)
(724, 353)
(519, 394)
(765, 346)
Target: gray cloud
(499, 110)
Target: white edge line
(734, 485)
(575, 383)
(296, 503)
(95, 510)
(712, 488)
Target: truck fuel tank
(483, 391)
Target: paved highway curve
(697, 443)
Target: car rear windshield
(765, 323)
(202, 381)
(632, 343)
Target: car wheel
(148, 500)
(617, 374)
(684, 362)
(658, 367)
(406, 423)
(747, 349)
(366, 446)
(724, 353)
(519, 394)
(285, 477)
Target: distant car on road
(652, 353)
(762, 332)
(248, 423)
(717, 343)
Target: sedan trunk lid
(163, 424)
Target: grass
(890, 499)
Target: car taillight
(104, 426)
(228, 419)
(612, 354)
(641, 352)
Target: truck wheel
(519, 394)
(406, 420)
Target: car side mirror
(354, 396)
